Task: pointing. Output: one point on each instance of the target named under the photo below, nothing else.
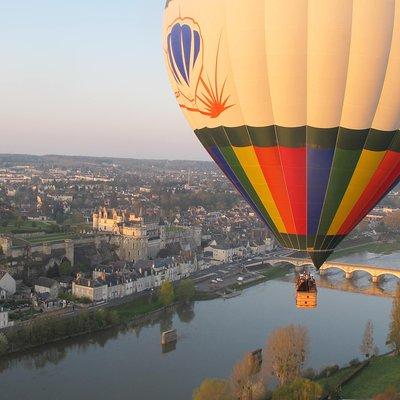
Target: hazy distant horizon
(102, 157)
(89, 78)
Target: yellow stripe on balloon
(250, 164)
(367, 165)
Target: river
(129, 363)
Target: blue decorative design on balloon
(184, 45)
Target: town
(78, 231)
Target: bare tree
(368, 347)
(394, 330)
(286, 352)
(246, 380)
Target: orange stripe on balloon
(270, 164)
(383, 179)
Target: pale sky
(87, 77)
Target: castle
(138, 237)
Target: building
(47, 285)
(137, 237)
(141, 237)
(92, 289)
(4, 321)
(225, 253)
(8, 285)
(109, 283)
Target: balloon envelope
(298, 102)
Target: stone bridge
(349, 269)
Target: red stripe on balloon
(294, 166)
(384, 177)
(270, 163)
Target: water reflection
(360, 282)
(128, 360)
(37, 359)
(53, 354)
(168, 347)
(185, 312)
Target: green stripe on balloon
(221, 140)
(348, 150)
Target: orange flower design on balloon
(195, 91)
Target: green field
(25, 226)
(375, 378)
(134, 308)
(51, 237)
(381, 373)
(334, 380)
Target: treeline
(45, 330)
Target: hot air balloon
(298, 102)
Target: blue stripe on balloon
(176, 42)
(187, 47)
(319, 163)
(196, 46)
(171, 60)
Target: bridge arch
(388, 274)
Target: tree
(368, 347)
(18, 221)
(65, 268)
(215, 389)
(245, 379)
(394, 330)
(186, 290)
(167, 293)
(299, 389)
(3, 343)
(390, 394)
(286, 352)
(77, 218)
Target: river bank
(52, 329)
(133, 311)
(348, 248)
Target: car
(240, 279)
(214, 281)
(219, 280)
